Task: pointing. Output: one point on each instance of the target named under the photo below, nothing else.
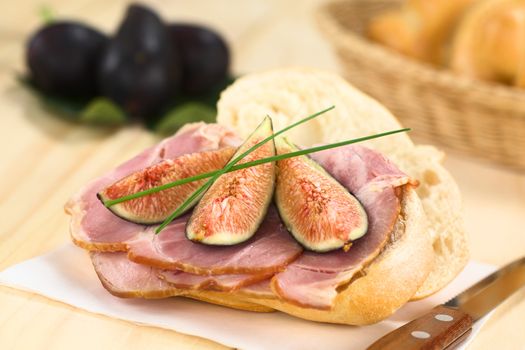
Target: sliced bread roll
(288, 95)
(426, 248)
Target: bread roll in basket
(459, 111)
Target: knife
(447, 325)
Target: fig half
(317, 210)
(234, 206)
(156, 207)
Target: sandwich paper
(66, 275)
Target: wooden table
(44, 160)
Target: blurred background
(45, 158)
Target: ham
(260, 289)
(268, 251)
(124, 278)
(227, 283)
(312, 279)
(94, 227)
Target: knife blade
(447, 325)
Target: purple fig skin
(140, 69)
(63, 58)
(205, 57)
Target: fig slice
(155, 208)
(317, 210)
(233, 207)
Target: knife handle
(441, 328)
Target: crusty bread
(490, 42)
(482, 39)
(231, 300)
(288, 95)
(442, 204)
(419, 28)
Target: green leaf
(102, 111)
(187, 113)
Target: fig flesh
(318, 211)
(234, 206)
(156, 207)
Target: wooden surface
(44, 160)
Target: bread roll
(420, 28)
(482, 39)
(490, 42)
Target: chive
(305, 151)
(228, 166)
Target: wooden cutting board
(43, 160)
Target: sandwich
(347, 235)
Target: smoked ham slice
(126, 279)
(227, 283)
(268, 251)
(312, 279)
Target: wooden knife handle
(441, 328)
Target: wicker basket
(474, 117)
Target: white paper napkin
(66, 275)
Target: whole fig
(63, 58)
(205, 57)
(139, 69)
